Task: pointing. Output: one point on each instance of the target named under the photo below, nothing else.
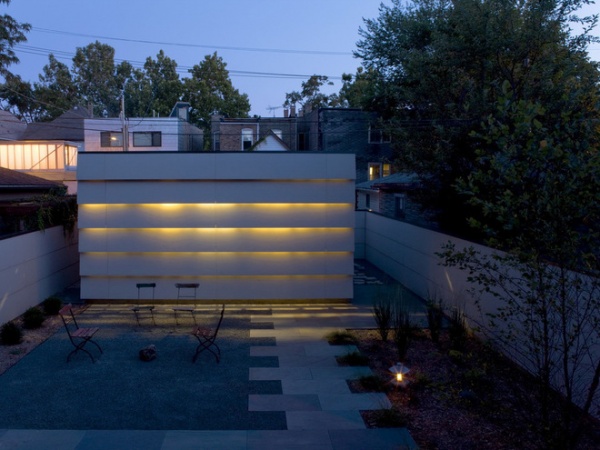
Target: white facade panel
(214, 239)
(273, 226)
(274, 191)
(231, 215)
(219, 166)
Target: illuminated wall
(245, 226)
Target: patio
(278, 383)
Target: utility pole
(124, 129)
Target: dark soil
(458, 400)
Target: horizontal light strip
(221, 230)
(171, 206)
(284, 253)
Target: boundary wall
(35, 266)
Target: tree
(209, 90)
(154, 90)
(311, 96)
(11, 34)
(535, 183)
(442, 65)
(56, 92)
(99, 81)
(17, 97)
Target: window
(387, 169)
(374, 171)
(378, 136)
(246, 139)
(368, 201)
(147, 139)
(111, 139)
(399, 204)
(302, 141)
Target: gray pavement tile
(338, 386)
(344, 372)
(324, 420)
(283, 403)
(280, 373)
(307, 361)
(41, 439)
(371, 400)
(276, 350)
(325, 349)
(121, 439)
(289, 440)
(372, 439)
(205, 440)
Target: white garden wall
(34, 266)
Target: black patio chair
(138, 307)
(79, 336)
(207, 338)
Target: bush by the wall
(10, 334)
(52, 305)
(33, 318)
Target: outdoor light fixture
(399, 371)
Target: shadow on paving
(120, 391)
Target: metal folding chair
(207, 337)
(186, 291)
(136, 309)
(79, 336)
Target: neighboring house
(391, 196)
(173, 133)
(233, 135)
(17, 190)
(331, 130)
(44, 149)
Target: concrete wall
(33, 267)
(246, 226)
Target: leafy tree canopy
(442, 66)
(11, 34)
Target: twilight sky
(270, 46)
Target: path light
(399, 371)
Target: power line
(213, 47)
(59, 54)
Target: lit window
(147, 139)
(246, 138)
(374, 171)
(111, 139)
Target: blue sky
(270, 38)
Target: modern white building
(244, 226)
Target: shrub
(390, 418)
(52, 305)
(10, 334)
(373, 383)
(354, 359)
(402, 331)
(382, 312)
(457, 330)
(33, 318)
(435, 318)
(341, 337)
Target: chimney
(293, 111)
(285, 113)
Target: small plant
(52, 305)
(382, 312)
(33, 318)
(341, 337)
(457, 330)
(402, 332)
(372, 383)
(435, 318)
(390, 418)
(10, 334)
(354, 359)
